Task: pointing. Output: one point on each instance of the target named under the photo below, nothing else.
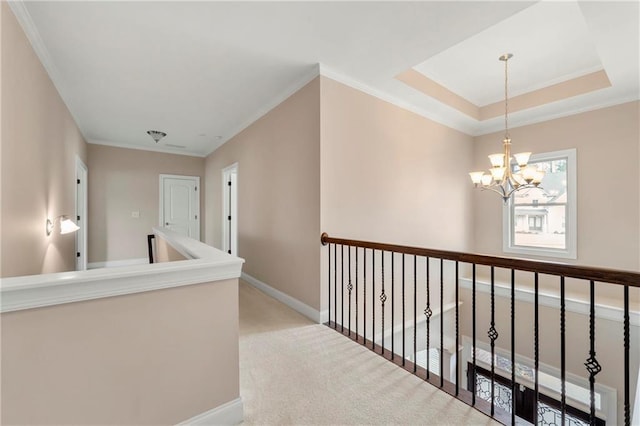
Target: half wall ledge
(203, 264)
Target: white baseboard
(231, 413)
(306, 310)
(116, 263)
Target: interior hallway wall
(122, 181)
(278, 160)
(40, 142)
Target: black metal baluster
(513, 347)
(441, 322)
(364, 297)
(493, 335)
(415, 312)
(335, 286)
(563, 390)
(373, 299)
(627, 405)
(356, 294)
(457, 334)
(383, 298)
(427, 313)
(403, 318)
(592, 364)
(393, 304)
(349, 288)
(342, 291)
(473, 332)
(329, 286)
(536, 349)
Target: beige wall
(157, 357)
(122, 181)
(278, 160)
(40, 142)
(390, 175)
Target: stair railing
(369, 284)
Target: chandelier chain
(506, 100)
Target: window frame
(571, 224)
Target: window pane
(549, 416)
(554, 184)
(502, 397)
(541, 226)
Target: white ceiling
(550, 43)
(202, 71)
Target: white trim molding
(572, 305)
(231, 413)
(205, 264)
(306, 310)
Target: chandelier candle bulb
(498, 173)
(529, 173)
(476, 177)
(522, 158)
(497, 160)
(538, 176)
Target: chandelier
(502, 179)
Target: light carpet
(295, 372)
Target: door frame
(82, 184)
(226, 173)
(195, 179)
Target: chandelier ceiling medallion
(502, 178)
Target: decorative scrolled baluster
(427, 313)
(383, 298)
(592, 365)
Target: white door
(180, 204)
(230, 213)
(81, 215)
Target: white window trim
(571, 252)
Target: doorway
(81, 215)
(180, 204)
(230, 209)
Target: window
(549, 409)
(542, 221)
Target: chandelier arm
(492, 188)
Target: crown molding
(159, 148)
(445, 120)
(497, 124)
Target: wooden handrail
(613, 276)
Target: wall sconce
(66, 225)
